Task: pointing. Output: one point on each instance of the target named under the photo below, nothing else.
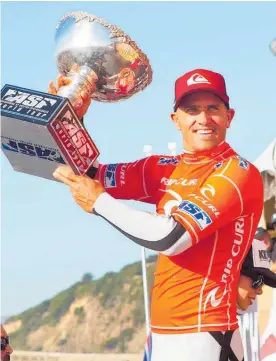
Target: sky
(47, 241)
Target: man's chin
(242, 307)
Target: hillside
(103, 315)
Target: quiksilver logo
(197, 79)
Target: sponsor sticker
(166, 161)
(202, 219)
(110, 176)
(243, 163)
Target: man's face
(5, 354)
(202, 118)
(246, 293)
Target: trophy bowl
(100, 58)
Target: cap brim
(269, 276)
(196, 90)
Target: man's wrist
(101, 203)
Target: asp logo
(110, 176)
(23, 98)
(29, 104)
(32, 150)
(166, 161)
(199, 215)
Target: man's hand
(81, 105)
(85, 191)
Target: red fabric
(200, 79)
(218, 197)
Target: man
(272, 253)
(273, 221)
(255, 273)
(270, 244)
(6, 349)
(208, 201)
(264, 236)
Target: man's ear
(175, 120)
(230, 114)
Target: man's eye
(213, 108)
(191, 110)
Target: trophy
(41, 130)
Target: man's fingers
(65, 170)
(62, 81)
(86, 97)
(63, 179)
(52, 88)
(73, 177)
(65, 174)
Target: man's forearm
(156, 232)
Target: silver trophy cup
(99, 58)
(40, 130)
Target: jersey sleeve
(134, 181)
(233, 190)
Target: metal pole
(148, 150)
(145, 288)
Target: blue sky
(48, 242)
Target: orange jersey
(218, 197)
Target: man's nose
(203, 117)
(9, 349)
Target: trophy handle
(83, 78)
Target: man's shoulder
(235, 163)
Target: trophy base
(41, 131)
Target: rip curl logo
(197, 79)
(210, 190)
(212, 297)
(230, 267)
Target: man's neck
(186, 150)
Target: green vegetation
(87, 277)
(79, 313)
(59, 306)
(110, 287)
(113, 289)
(119, 342)
(31, 320)
(62, 342)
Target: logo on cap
(197, 79)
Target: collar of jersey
(205, 156)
